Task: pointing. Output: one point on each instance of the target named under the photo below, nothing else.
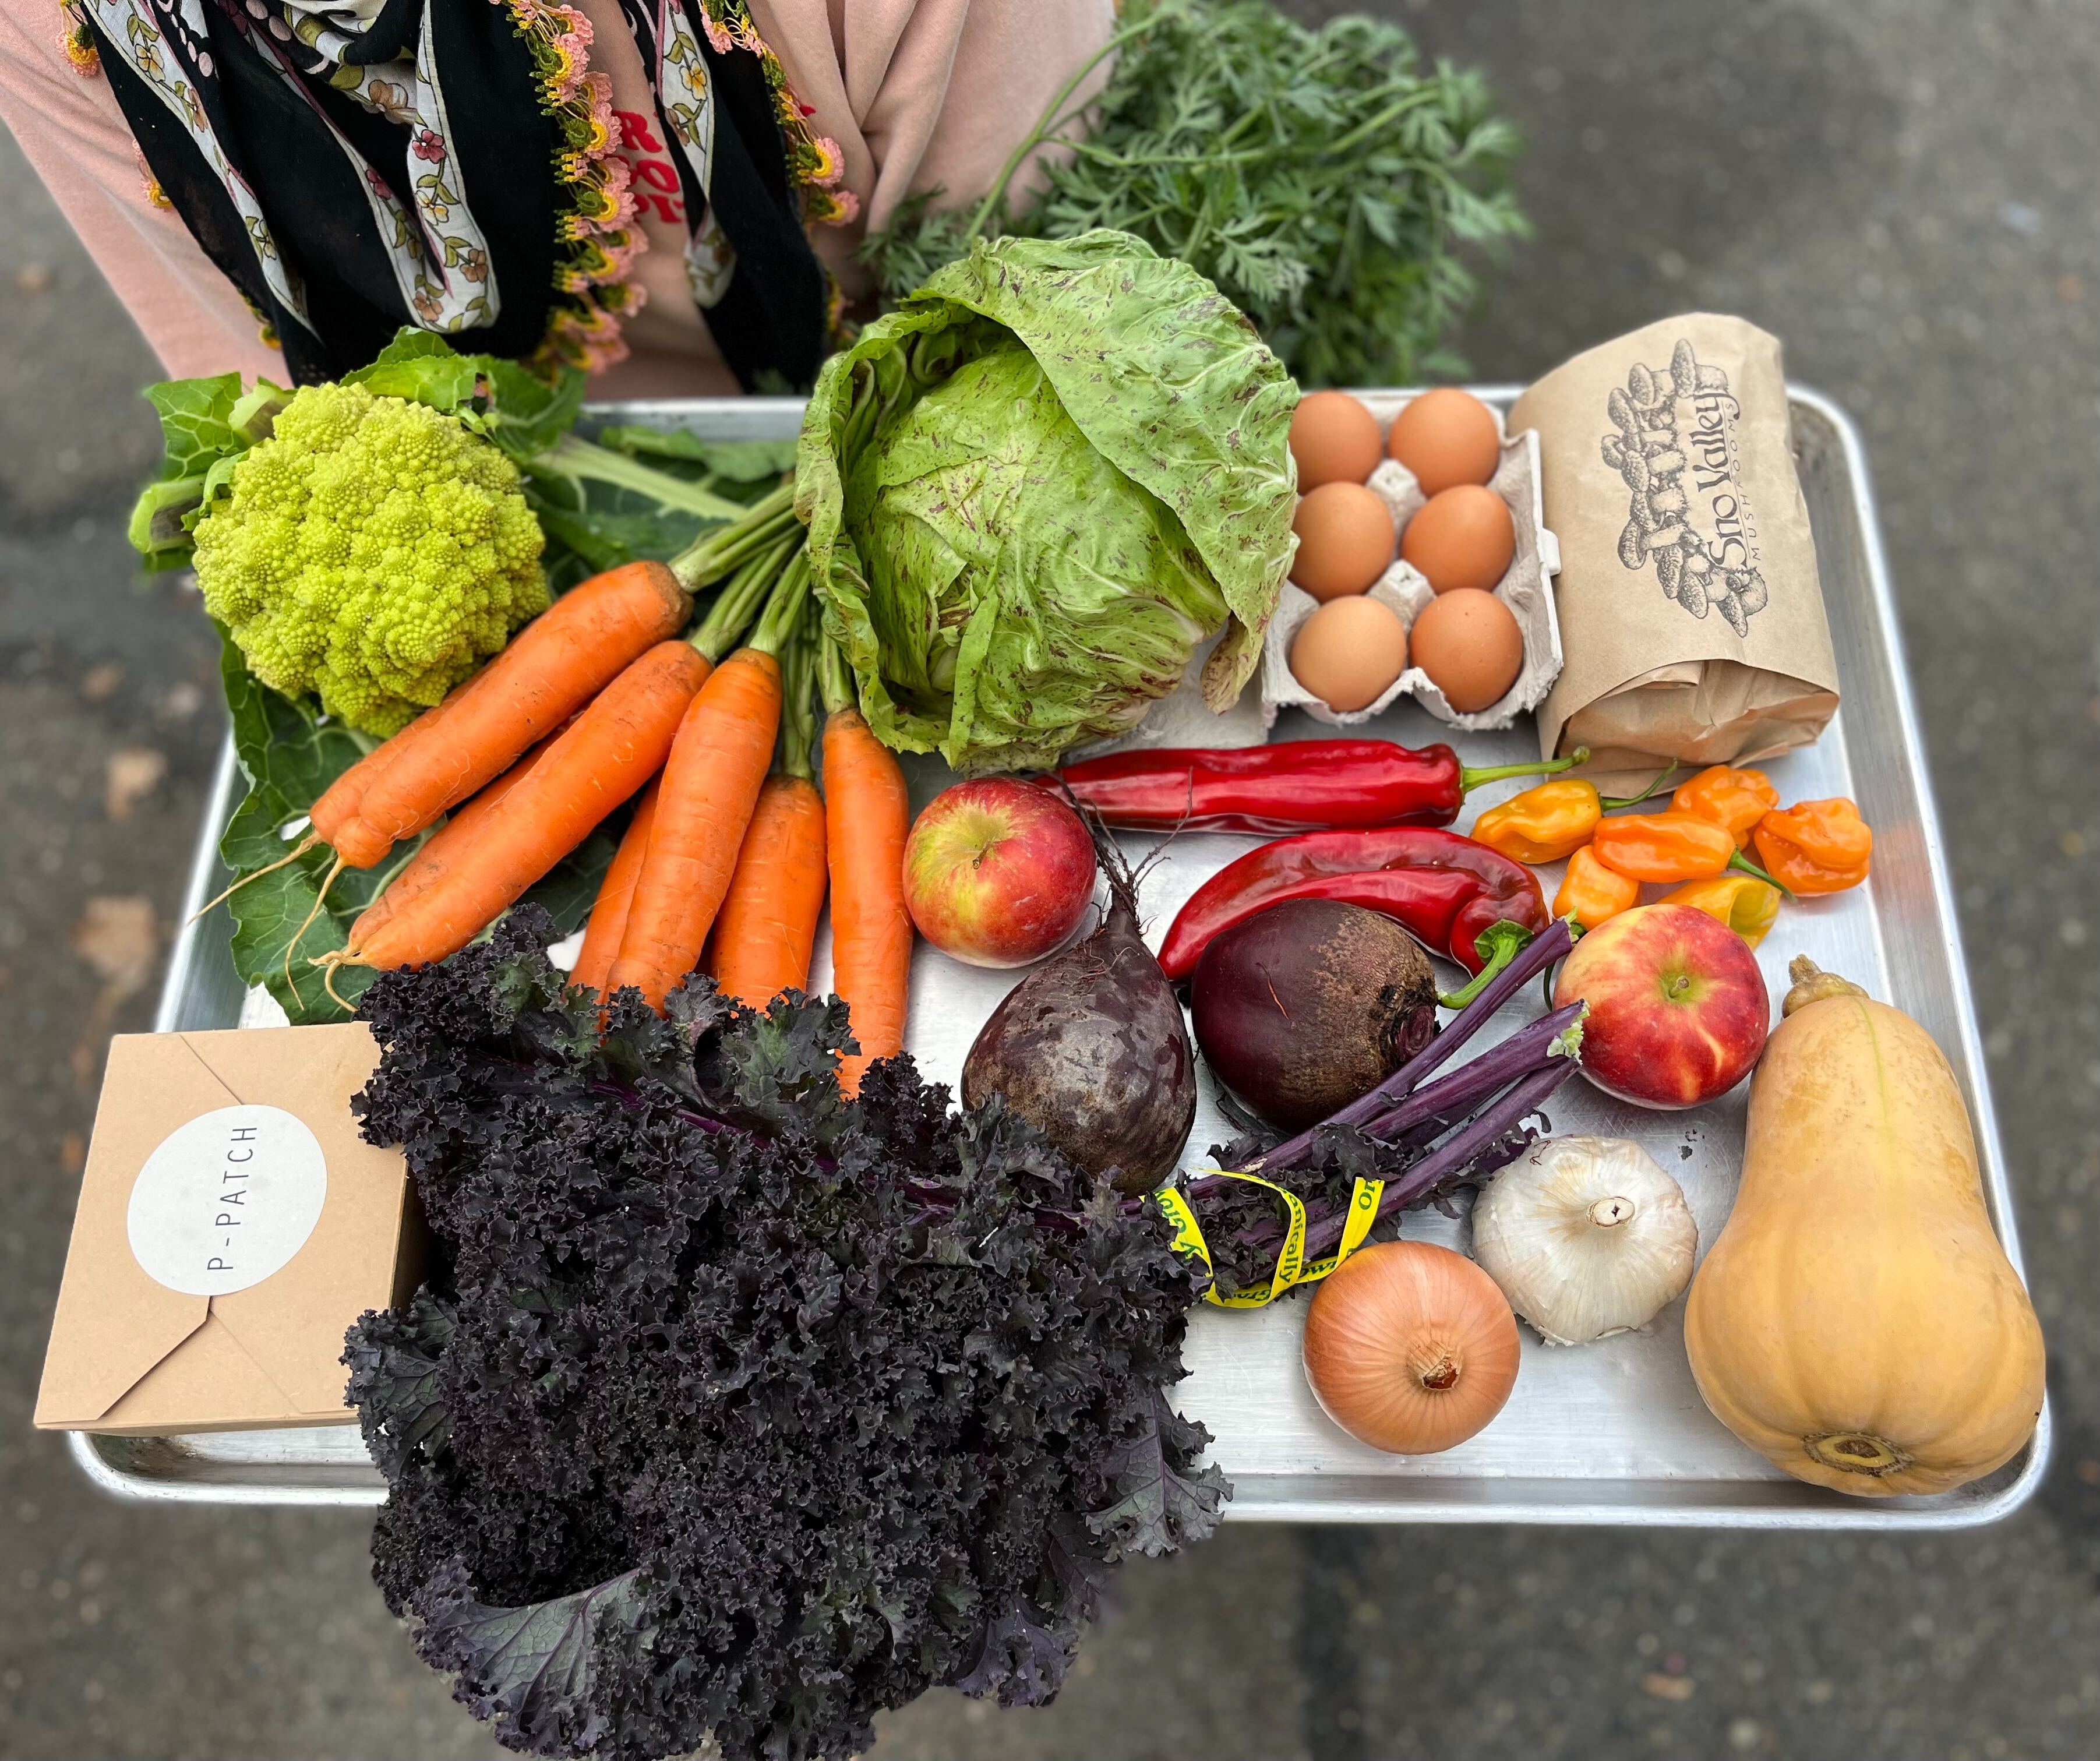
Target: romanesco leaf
(423, 368)
(195, 427)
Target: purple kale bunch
(731, 1407)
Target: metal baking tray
(1613, 1432)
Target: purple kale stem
(1542, 952)
(1495, 1068)
(1456, 1154)
(631, 1099)
(1554, 945)
(1464, 1145)
(1442, 1106)
(1433, 1110)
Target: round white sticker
(226, 1200)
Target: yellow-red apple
(998, 871)
(1678, 1011)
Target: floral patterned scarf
(354, 166)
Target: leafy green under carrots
(290, 753)
(733, 1407)
(1323, 179)
(607, 500)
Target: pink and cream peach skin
(915, 93)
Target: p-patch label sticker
(225, 1201)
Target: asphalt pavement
(1902, 191)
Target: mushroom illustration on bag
(1713, 450)
(1675, 444)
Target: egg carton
(1526, 588)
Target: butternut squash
(1858, 1322)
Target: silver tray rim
(1760, 1505)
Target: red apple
(998, 872)
(1677, 1008)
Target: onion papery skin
(1410, 1347)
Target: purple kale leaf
(394, 1383)
(1162, 1501)
(529, 1671)
(1023, 1658)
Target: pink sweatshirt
(917, 92)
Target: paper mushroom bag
(1690, 616)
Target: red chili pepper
(1445, 891)
(1292, 786)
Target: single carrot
(604, 756)
(437, 854)
(338, 803)
(555, 665)
(711, 784)
(616, 892)
(767, 925)
(867, 815)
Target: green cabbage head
(1036, 487)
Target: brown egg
(1348, 651)
(1345, 539)
(1463, 537)
(1334, 440)
(1446, 437)
(1468, 642)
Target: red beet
(1090, 1049)
(1303, 1007)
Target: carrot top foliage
(1325, 179)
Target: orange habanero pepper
(1553, 819)
(1542, 824)
(1668, 846)
(1592, 893)
(1747, 905)
(1736, 799)
(1816, 846)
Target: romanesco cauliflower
(373, 551)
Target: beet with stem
(1308, 1005)
(1091, 1049)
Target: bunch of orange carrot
(600, 700)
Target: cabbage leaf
(1035, 490)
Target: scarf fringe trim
(815, 163)
(598, 239)
(78, 42)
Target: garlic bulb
(1587, 1237)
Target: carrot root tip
(320, 899)
(297, 851)
(330, 964)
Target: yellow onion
(1410, 1349)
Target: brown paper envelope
(211, 1382)
(294, 1321)
(114, 1323)
(127, 1352)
